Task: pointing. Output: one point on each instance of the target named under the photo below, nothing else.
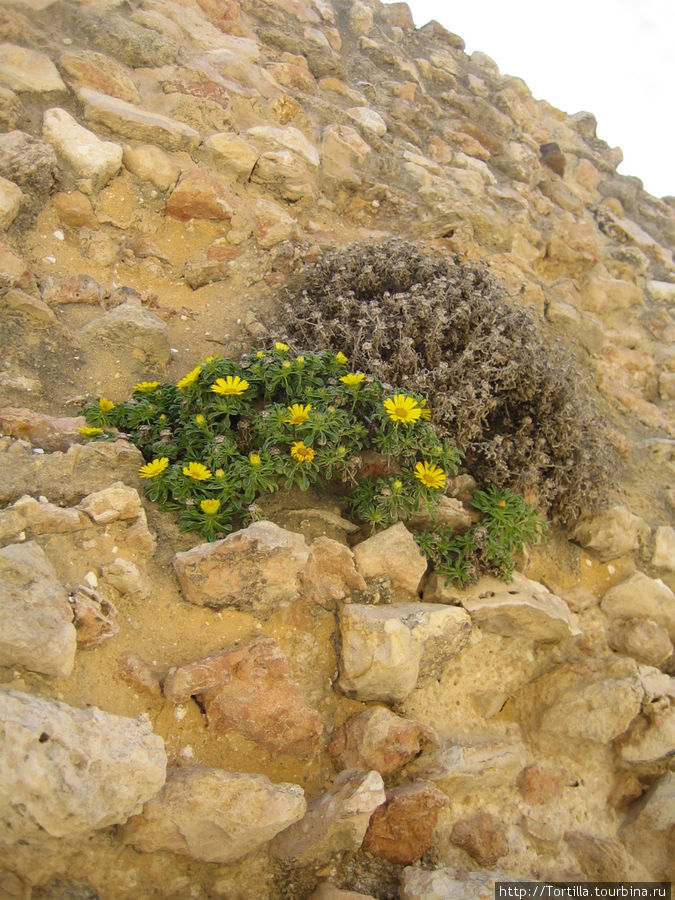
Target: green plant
(506, 525)
(502, 388)
(227, 432)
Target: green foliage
(228, 432)
(506, 525)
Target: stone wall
(172, 728)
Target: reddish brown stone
(95, 618)
(293, 76)
(538, 785)
(208, 90)
(201, 195)
(379, 739)
(330, 574)
(72, 289)
(483, 837)
(43, 431)
(553, 157)
(74, 209)
(139, 674)
(402, 829)
(249, 689)
(101, 73)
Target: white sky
(614, 58)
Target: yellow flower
(299, 414)
(352, 379)
(146, 387)
(220, 474)
(397, 485)
(200, 419)
(300, 360)
(230, 386)
(189, 379)
(105, 405)
(431, 476)
(426, 412)
(90, 431)
(154, 468)
(254, 459)
(208, 359)
(402, 409)
(281, 347)
(301, 453)
(286, 364)
(341, 358)
(196, 470)
(260, 354)
(210, 507)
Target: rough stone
(337, 820)
(271, 224)
(65, 772)
(641, 597)
(254, 569)
(119, 501)
(41, 517)
(368, 119)
(10, 109)
(538, 785)
(136, 123)
(231, 156)
(28, 70)
(329, 573)
(131, 329)
(470, 766)
(642, 639)
(611, 534)
(87, 155)
(603, 295)
(100, 73)
(95, 618)
(150, 163)
(213, 815)
(48, 432)
(28, 162)
(249, 689)
(385, 649)
(343, 152)
(127, 578)
(10, 202)
(139, 673)
(664, 548)
(572, 249)
(582, 703)
(651, 737)
(286, 175)
(378, 739)
(600, 859)
(117, 36)
(266, 137)
(437, 884)
(36, 621)
(483, 837)
(658, 809)
(199, 194)
(402, 829)
(393, 553)
(74, 209)
(523, 608)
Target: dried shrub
(500, 387)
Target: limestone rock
(603, 295)
(266, 137)
(330, 573)
(592, 703)
(28, 70)
(470, 766)
(127, 578)
(612, 533)
(523, 608)
(213, 815)
(66, 771)
(150, 163)
(74, 208)
(368, 120)
(378, 739)
(664, 548)
(657, 812)
(385, 649)
(572, 249)
(600, 859)
(41, 517)
(343, 152)
(131, 329)
(47, 432)
(272, 224)
(95, 618)
(254, 569)
(651, 736)
(360, 18)
(642, 639)
(10, 202)
(402, 829)
(394, 553)
(539, 785)
(10, 109)
(249, 689)
(641, 597)
(119, 501)
(86, 154)
(483, 837)
(200, 195)
(136, 123)
(337, 820)
(29, 163)
(139, 673)
(100, 73)
(119, 37)
(36, 621)
(285, 174)
(74, 288)
(231, 156)
(437, 884)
